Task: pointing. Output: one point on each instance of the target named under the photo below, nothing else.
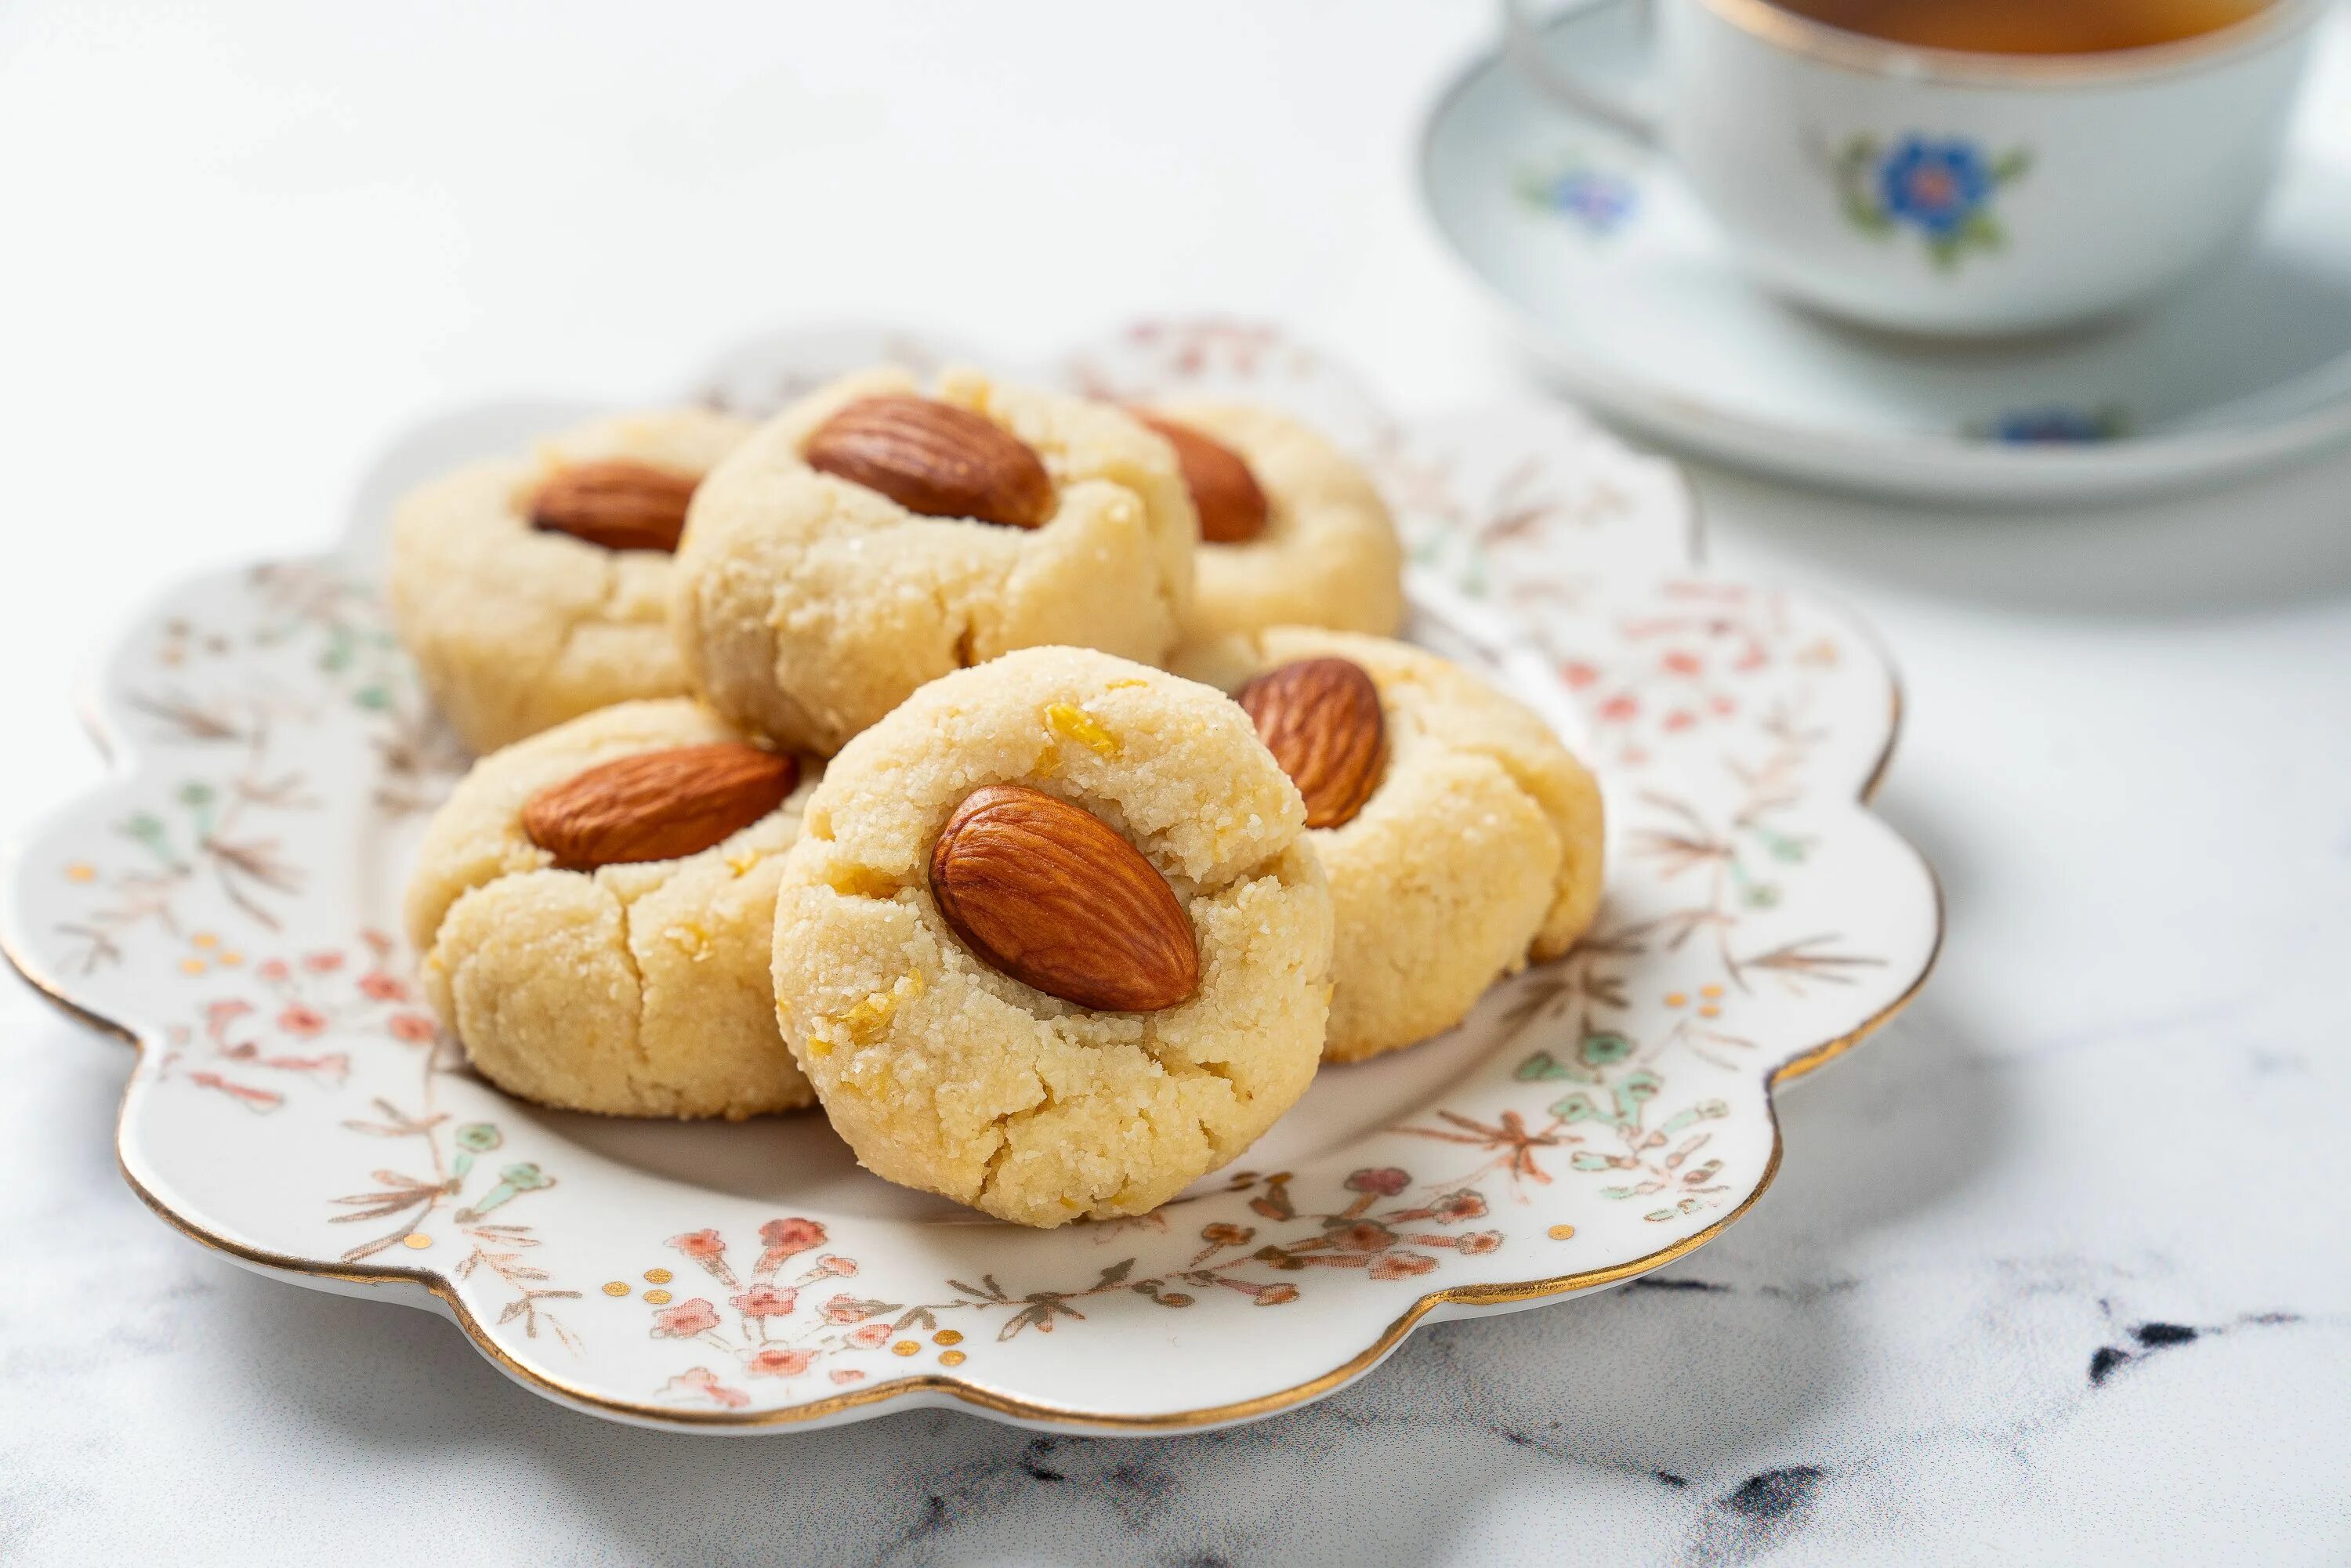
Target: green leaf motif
(1543, 1067)
(1604, 1049)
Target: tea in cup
(1964, 167)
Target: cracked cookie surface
(806, 606)
(638, 989)
(1329, 555)
(515, 627)
(943, 1074)
(1480, 849)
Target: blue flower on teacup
(1934, 186)
(1940, 187)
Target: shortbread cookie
(1111, 832)
(1292, 533)
(531, 590)
(630, 985)
(870, 538)
(1459, 837)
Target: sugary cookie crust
(514, 629)
(807, 607)
(1329, 555)
(1481, 847)
(943, 1074)
(634, 990)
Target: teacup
(1931, 190)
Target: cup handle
(1522, 44)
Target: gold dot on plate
(1710, 993)
(81, 870)
(203, 939)
(191, 965)
(657, 1298)
(658, 1276)
(904, 1347)
(416, 1241)
(946, 1336)
(230, 957)
(950, 1358)
(1675, 998)
(616, 1287)
(1561, 1232)
(1709, 1012)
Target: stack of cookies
(1033, 782)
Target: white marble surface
(2054, 1270)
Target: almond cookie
(1052, 944)
(1459, 837)
(595, 904)
(1292, 533)
(870, 538)
(531, 590)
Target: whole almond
(1322, 720)
(1051, 894)
(657, 805)
(1226, 494)
(618, 504)
(936, 459)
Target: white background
(242, 247)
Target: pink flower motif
(1680, 661)
(414, 1028)
(848, 1375)
(868, 1336)
(832, 1263)
(1478, 1241)
(300, 1019)
(847, 1310)
(1401, 1265)
(1680, 719)
(322, 962)
(380, 987)
(1275, 1295)
(1362, 1237)
(777, 1361)
(1620, 707)
(1579, 675)
(685, 1320)
(1456, 1206)
(1387, 1181)
(703, 1381)
(699, 1243)
(272, 969)
(786, 1239)
(791, 1236)
(766, 1301)
(217, 1017)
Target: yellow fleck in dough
(806, 607)
(1481, 847)
(1329, 555)
(973, 1085)
(634, 990)
(514, 629)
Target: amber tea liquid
(2028, 26)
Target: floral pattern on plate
(223, 899)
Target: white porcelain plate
(1602, 261)
(227, 898)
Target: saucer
(1599, 253)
